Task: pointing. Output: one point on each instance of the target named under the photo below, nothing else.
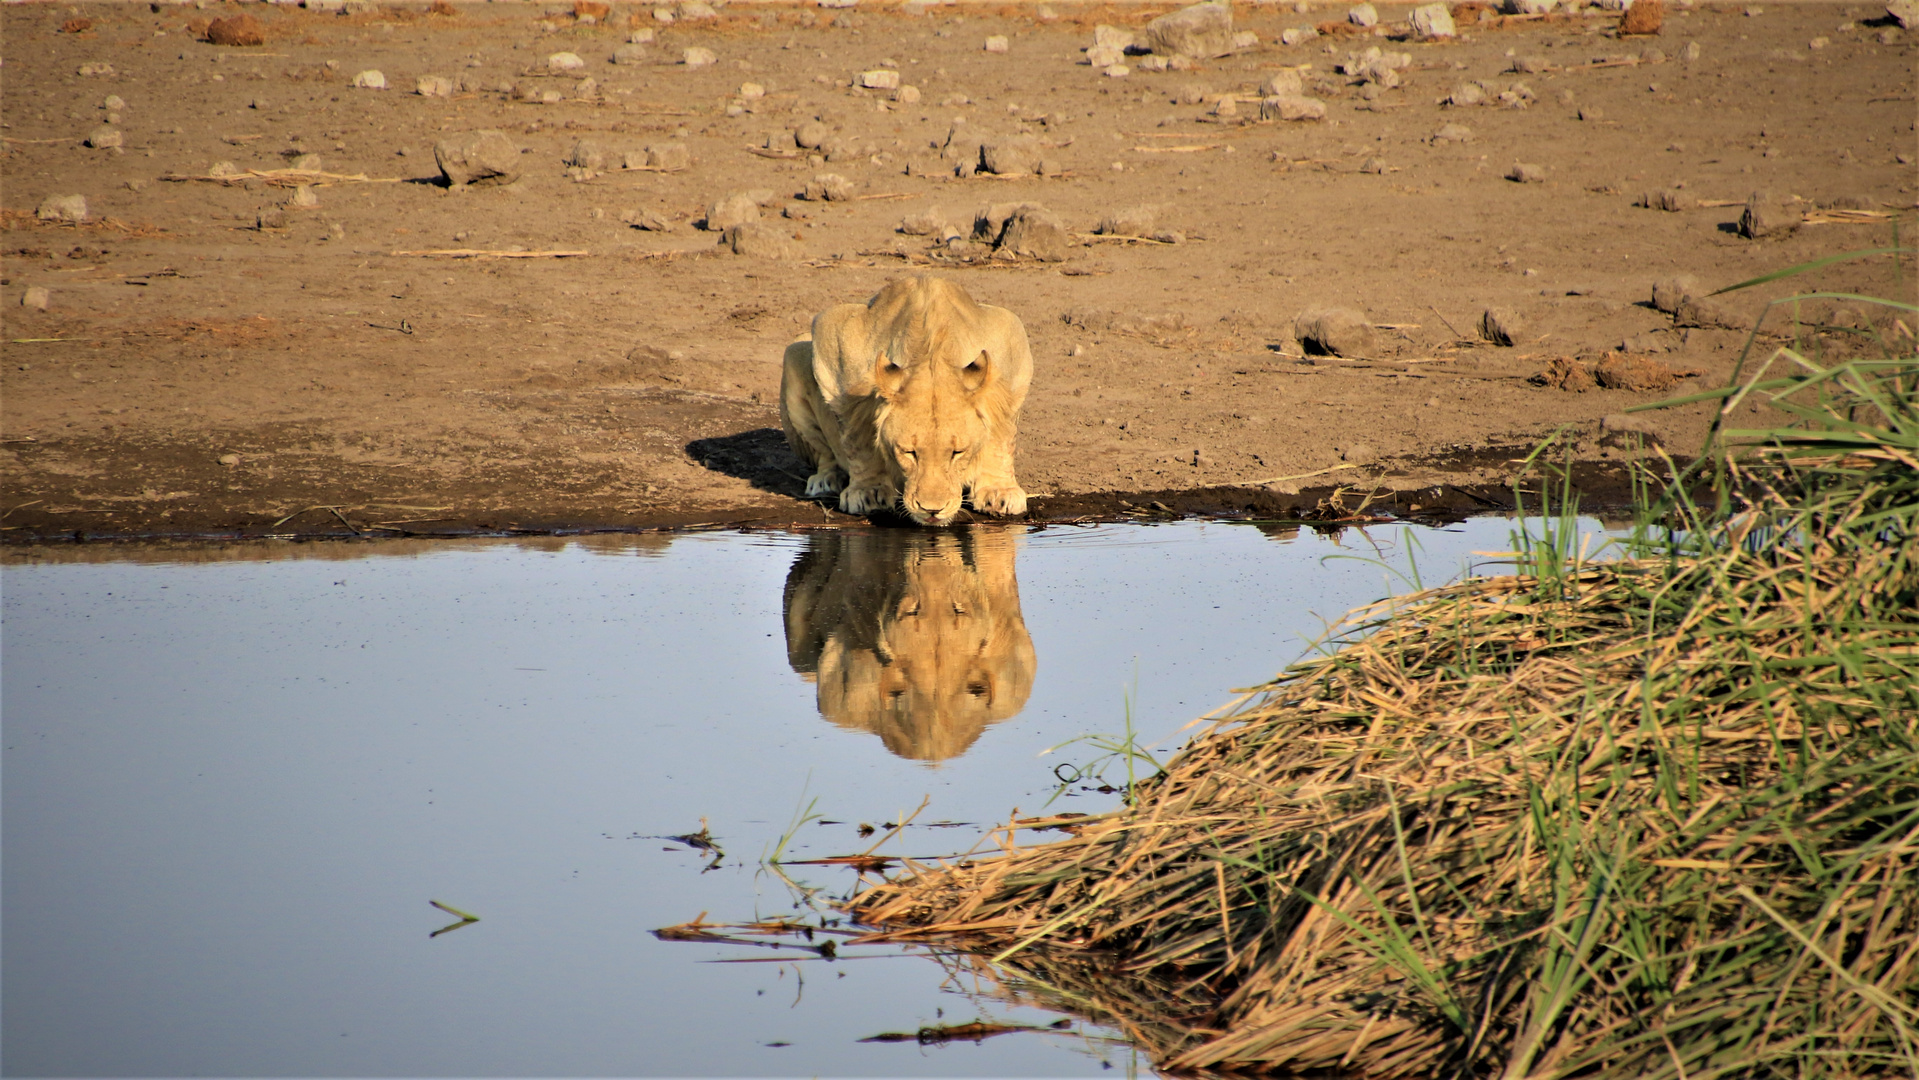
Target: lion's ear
(888, 375)
(974, 375)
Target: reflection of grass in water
(1650, 817)
(1124, 749)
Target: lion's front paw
(866, 498)
(824, 482)
(1008, 501)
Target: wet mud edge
(1602, 487)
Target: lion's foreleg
(810, 426)
(994, 489)
(869, 484)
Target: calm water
(233, 782)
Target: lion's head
(917, 638)
(942, 394)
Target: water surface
(233, 782)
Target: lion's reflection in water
(915, 636)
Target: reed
(1651, 817)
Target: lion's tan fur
(917, 638)
(912, 400)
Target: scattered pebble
(62, 208)
(241, 29)
(1199, 32)
(1768, 216)
(478, 157)
(1432, 21)
(880, 79)
(1526, 173)
(1669, 293)
(735, 208)
(1450, 133)
(828, 187)
(759, 240)
(1291, 107)
(94, 68)
(105, 138)
(1297, 35)
(1374, 166)
(113, 103)
(564, 61)
(1501, 326)
(1334, 331)
(648, 220)
(696, 57)
(231, 461)
(1591, 113)
(303, 198)
(369, 80)
(433, 86)
(997, 44)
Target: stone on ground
(1200, 32)
(760, 240)
(1432, 21)
(697, 57)
(828, 187)
(1334, 331)
(1768, 216)
(1018, 155)
(478, 157)
(369, 80)
(105, 138)
(62, 208)
(1291, 107)
(1526, 173)
(736, 208)
(36, 297)
(1669, 293)
(1363, 15)
(1132, 221)
(241, 29)
(1502, 326)
(1034, 232)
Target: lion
(912, 400)
(916, 637)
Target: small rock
(1530, 65)
(1101, 56)
(303, 198)
(880, 79)
(1643, 17)
(695, 10)
(828, 187)
(1132, 221)
(1359, 454)
(1117, 71)
(907, 95)
(433, 86)
(586, 154)
(1526, 173)
(1702, 311)
(1671, 199)
(270, 217)
(1114, 37)
(564, 61)
(1501, 326)
(303, 162)
(1362, 15)
(662, 15)
(241, 29)
(1297, 35)
(811, 135)
(1432, 21)
(1466, 94)
(630, 54)
(62, 208)
(644, 36)
(1015, 156)
(1669, 293)
(95, 67)
(668, 157)
(114, 103)
(105, 138)
(1591, 113)
(478, 157)
(1199, 32)
(737, 208)
(369, 80)
(1374, 166)
(1767, 216)
(696, 57)
(1245, 39)
(1227, 105)
(1453, 133)
(647, 220)
(36, 297)
(1283, 107)
(1904, 12)
(1334, 331)
(1033, 232)
(926, 223)
(1283, 83)
(997, 44)
(231, 461)
(759, 240)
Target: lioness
(910, 399)
(914, 636)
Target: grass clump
(1655, 817)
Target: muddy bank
(232, 354)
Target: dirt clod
(241, 29)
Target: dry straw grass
(1656, 817)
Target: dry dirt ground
(195, 373)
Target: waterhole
(235, 777)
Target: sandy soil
(193, 372)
